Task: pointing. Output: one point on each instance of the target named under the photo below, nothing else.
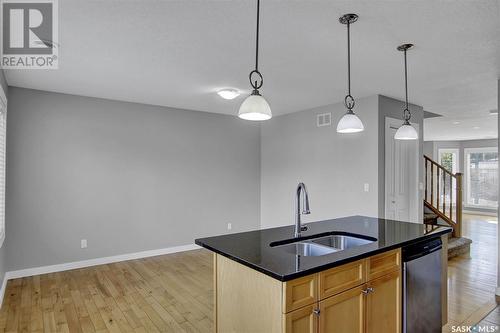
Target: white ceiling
(473, 127)
(178, 53)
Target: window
(481, 177)
(448, 158)
(3, 132)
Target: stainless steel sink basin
(341, 242)
(307, 249)
(321, 245)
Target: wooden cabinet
(300, 292)
(338, 279)
(383, 304)
(343, 313)
(303, 320)
(358, 297)
(383, 263)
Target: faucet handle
(303, 228)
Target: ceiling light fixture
(406, 131)
(228, 93)
(349, 123)
(255, 107)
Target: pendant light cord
(349, 100)
(256, 84)
(406, 112)
(406, 82)
(349, 58)
(257, 38)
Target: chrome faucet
(301, 188)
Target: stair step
(430, 218)
(458, 246)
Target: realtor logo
(29, 34)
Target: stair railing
(443, 194)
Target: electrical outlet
(367, 187)
(229, 226)
(83, 243)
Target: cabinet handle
(368, 290)
(316, 312)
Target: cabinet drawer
(384, 263)
(300, 292)
(339, 279)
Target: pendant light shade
(350, 122)
(255, 107)
(406, 131)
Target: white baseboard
(90, 262)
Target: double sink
(320, 245)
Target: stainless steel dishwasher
(422, 287)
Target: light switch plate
(83, 243)
(367, 187)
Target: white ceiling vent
(324, 119)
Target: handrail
(436, 197)
(438, 165)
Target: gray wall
(3, 251)
(429, 149)
(333, 166)
(126, 177)
(393, 108)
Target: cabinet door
(303, 320)
(383, 304)
(343, 313)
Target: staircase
(443, 202)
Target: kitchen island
(341, 275)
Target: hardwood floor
(491, 320)
(173, 293)
(472, 281)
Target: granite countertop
(253, 248)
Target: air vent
(324, 119)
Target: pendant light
(255, 107)
(349, 123)
(406, 131)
